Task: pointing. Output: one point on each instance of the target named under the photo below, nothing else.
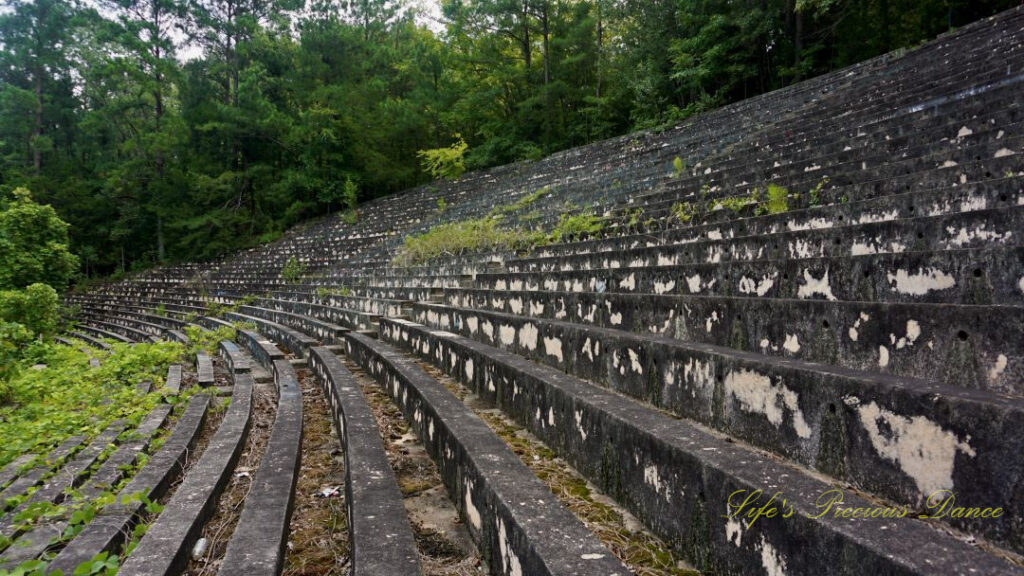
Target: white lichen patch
(756, 393)
(473, 324)
(629, 283)
(510, 564)
(734, 531)
(960, 237)
(693, 283)
(922, 282)
(811, 224)
(773, 562)
(759, 287)
(515, 305)
(507, 334)
(634, 361)
(997, 370)
(579, 425)
(815, 286)
(709, 324)
(528, 336)
(472, 513)
(469, 369)
(553, 347)
(653, 479)
(883, 356)
(1004, 152)
(664, 287)
(792, 344)
(921, 448)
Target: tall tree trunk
(600, 42)
(160, 238)
(37, 129)
(798, 47)
(883, 7)
(545, 26)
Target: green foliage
(815, 193)
(70, 396)
(737, 203)
(153, 157)
(457, 238)
(777, 201)
(683, 212)
(678, 167)
(323, 291)
(37, 308)
(33, 245)
(442, 205)
(577, 226)
(200, 340)
(293, 270)
(447, 163)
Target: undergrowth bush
(56, 393)
(465, 236)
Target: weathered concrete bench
(681, 480)
(165, 548)
(257, 546)
(38, 538)
(380, 537)
(111, 526)
(517, 522)
(812, 413)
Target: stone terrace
(815, 291)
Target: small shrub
(442, 205)
(293, 270)
(678, 167)
(815, 193)
(683, 212)
(445, 163)
(459, 237)
(350, 217)
(200, 340)
(777, 201)
(37, 308)
(571, 228)
(736, 203)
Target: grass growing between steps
(318, 534)
(488, 233)
(218, 529)
(644, 553)
(443, 542)
(56, 393)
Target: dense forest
(166, 130)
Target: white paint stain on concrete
(792, 344)
(815, 286)
(693, 283)
(528, 336)
(755, 286)
(921, 448)
(553, 347)
(997, 370)
(756, 393)
(472, 513)
(664, 287)
(921, 282)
